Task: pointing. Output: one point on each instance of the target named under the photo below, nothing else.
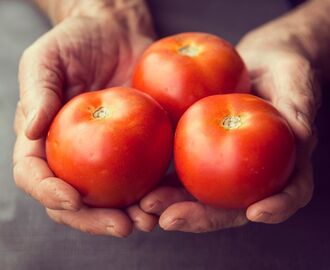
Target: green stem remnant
(231, 122)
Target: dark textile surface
(296, 2)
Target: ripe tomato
(181, 69)
(113, 145)
(233, 150)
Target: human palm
(80, 54)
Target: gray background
(29, 240)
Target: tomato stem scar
(231, 122)
(101, 113)
(189, 50)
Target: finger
(297, 194)
(95, 221)
(32, 174)
(292, 87)
(161, 198)
(41, 82)
(196, 217)
(280, 207)
(142, 221)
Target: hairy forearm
(132, 13)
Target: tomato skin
(177, 80)
(116, 158)
(233, 168)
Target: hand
(79, 54)
(281, 73)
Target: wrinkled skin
(282, 74)
(77, 55)
(60, 65)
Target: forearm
(132, 13)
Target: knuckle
(214, 224)
(44, 187)
(73, 221)
(206, 225)
(55, 217)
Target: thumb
(41, 81)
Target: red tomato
(233, 150)
(181, 69)
(113, 145)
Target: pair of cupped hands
(82, 54)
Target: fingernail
(111, 229)
(155, 206)
(66, 205)
(30, 117)
(262, 216)
(174, 224)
